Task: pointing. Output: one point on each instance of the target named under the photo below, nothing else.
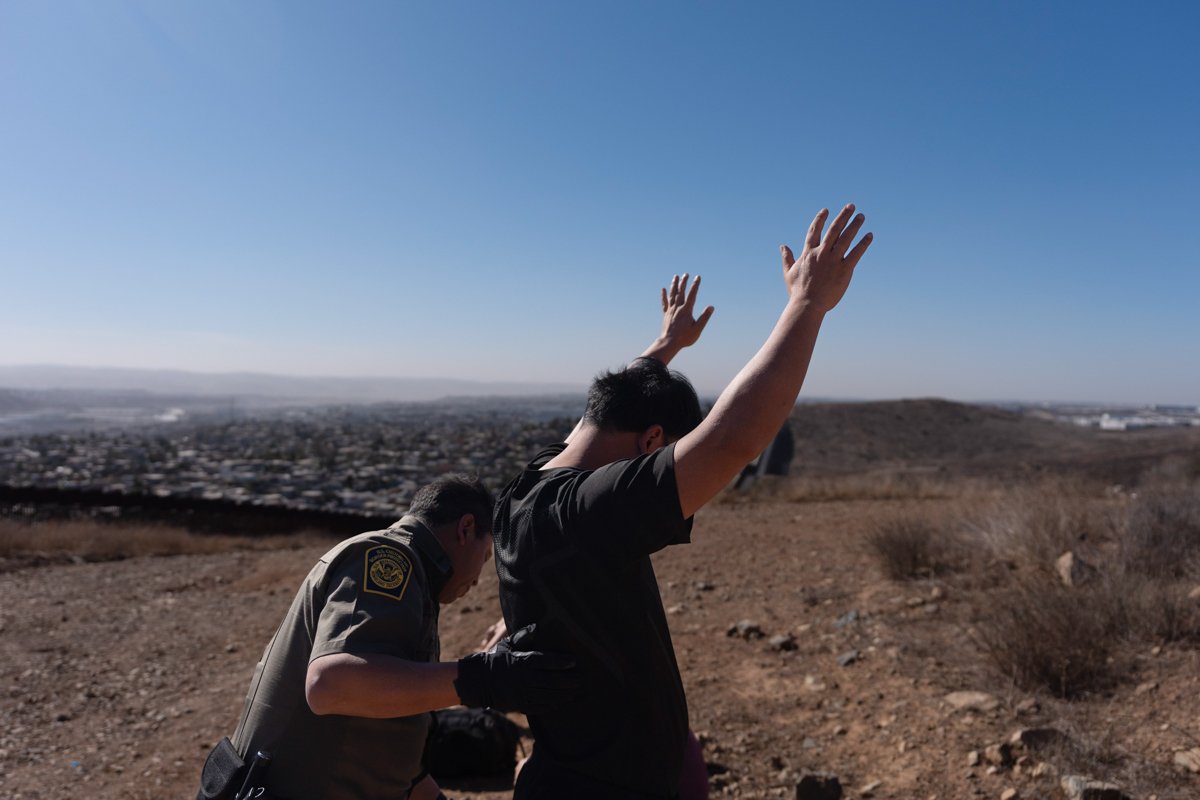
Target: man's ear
(651, 439)
(465, 531)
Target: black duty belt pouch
(223, 772)
(471, 742)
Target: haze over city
(496, 192)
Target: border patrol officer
(342, 695)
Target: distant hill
(249, 384)
(939, 434)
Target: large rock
(1189, 759)
(818, 786)
(1077, 787)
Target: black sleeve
(626, 509)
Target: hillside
(933, 434)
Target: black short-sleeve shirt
(573, 555)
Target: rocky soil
(118, 677)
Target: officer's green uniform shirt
(372, 593)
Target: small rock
(847, 618)
(813, 683)
(1028, 706)
(937, 593)
(992, 770)
(1038, 738)
(746, 629)
(973, 758)
(847, 658)
(1143, 688)
(809, 743)
(818, 786)
(998, 754)
(1189, 759)
(1043, 770)
(972, 701)
(1194, 594)
(676, 609)
(1009, 794)
(704, 586)
(782, 642)
(1077, 787)
(231, 648)
(870, 789)
(839, 730)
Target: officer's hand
(510, 678)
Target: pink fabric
(693, 782)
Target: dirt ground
(118, 677)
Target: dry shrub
(1141, 607)
(1031, 526)
(1161, 534)
(1045, 636)
(910, 548)
(90, 541)
(880, 485)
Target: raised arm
(752, 408)
(680, 326)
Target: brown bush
(1046, 637)
(909, 548)
(1160, 536)
(1031, 526)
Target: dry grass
(1144, 553)
(1029, 526)
(886, 485)
(1045, 636)
(1160, 536)
(89, 541)
(912, 548)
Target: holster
(223, 773)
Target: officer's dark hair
(448, 497)
(642, 394)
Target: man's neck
(592, 448)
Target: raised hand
(680, 325)
(822, 273)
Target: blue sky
(497, 190)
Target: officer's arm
(680, 326)
(755, 405)
(378, 686)
(509, 677)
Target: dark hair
(642, 394)
(448, 497)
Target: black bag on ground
(472, 743)
(223, 771)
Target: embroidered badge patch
(386, 572)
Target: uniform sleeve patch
(386, 572)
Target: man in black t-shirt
(574, 532)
